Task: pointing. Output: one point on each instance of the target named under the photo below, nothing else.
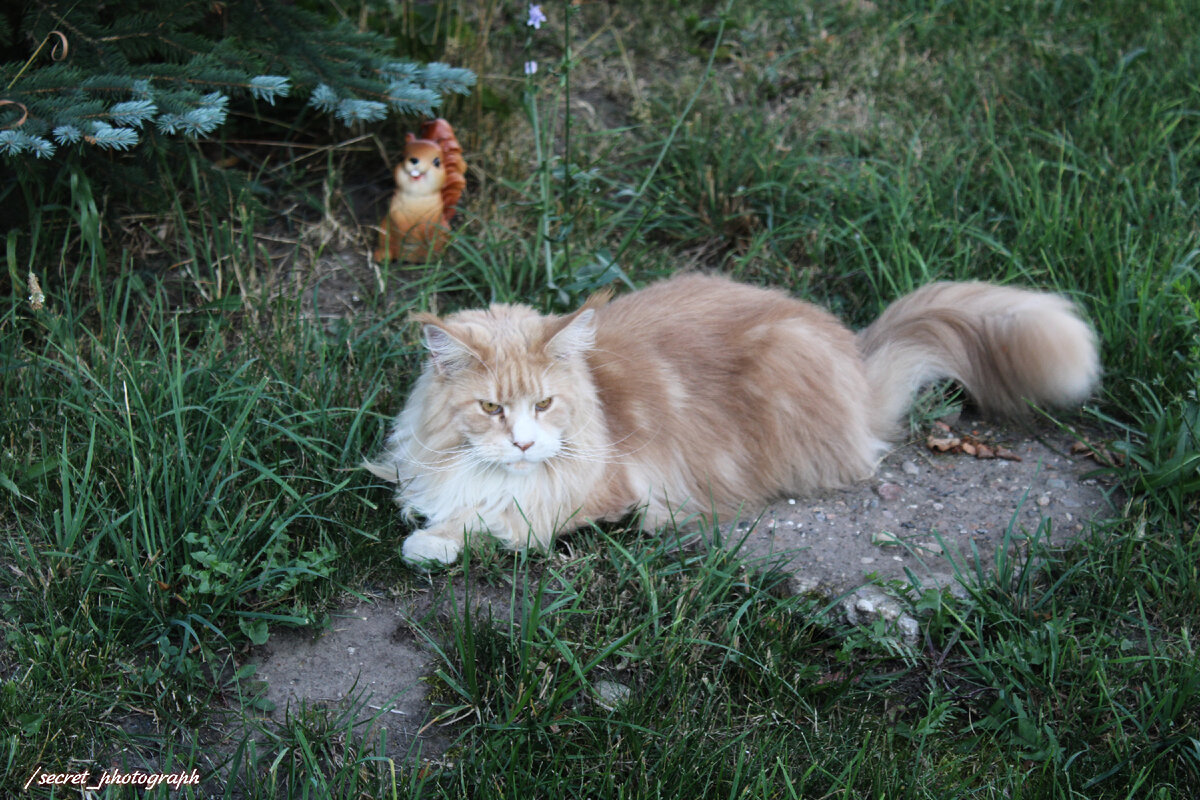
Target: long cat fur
(695, 394)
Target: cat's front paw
(424, 550)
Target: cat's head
(421, 171)
(512, 384)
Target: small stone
(939, 506)
(869, 603)
(1044, 500)
(1056, 483)
(910, 468)
(885, 539)
(803, 584)
(889, 491)
(611, 694)
(865, 605)
(910, 629)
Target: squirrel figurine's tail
(1006, 346)
(439, 131)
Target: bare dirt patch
(374, 658)
(926, 512)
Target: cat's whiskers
(452, 451)
(595, 453)
(441, 465)
(465, 456)
(610, 447)
(587, 423)
(447, 460)
(590, 457)
(553, 470)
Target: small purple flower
(530, 67)
(536, 17)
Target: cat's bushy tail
(1008, 347)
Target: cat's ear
(449, 354)
(576, 337)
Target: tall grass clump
(170, 490)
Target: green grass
(179, 427)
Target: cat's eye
(490, 407)
(542, 405)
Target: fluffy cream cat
(695, 394)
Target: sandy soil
(927, 511)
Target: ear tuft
(576, 337)
(448, 353)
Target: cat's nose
(522, 446)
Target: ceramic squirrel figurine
(429, 181)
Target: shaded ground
(374, 656)
(921, 508)
(926, 511)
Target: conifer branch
(119, 69)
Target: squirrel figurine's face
(421, 172)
